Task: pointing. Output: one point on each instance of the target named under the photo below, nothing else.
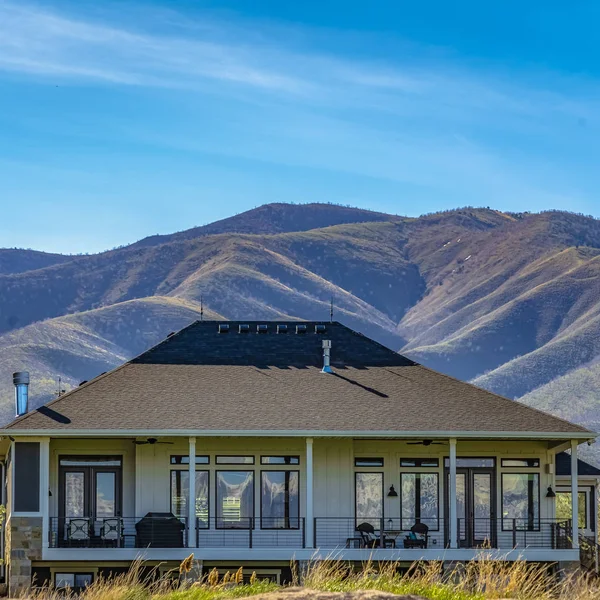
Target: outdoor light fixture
(392, 493)
(550, 493)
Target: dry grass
(484, 579)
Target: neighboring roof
(563, 466)
(203, 380)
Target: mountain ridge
(505, 300)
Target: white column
(191, 525)
(574, 494)
(309, 521)
(452, 496)
(45, 490)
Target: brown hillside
(509, 301)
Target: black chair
(78, 532)
(111, 532)
(370, 540)
(419, 537)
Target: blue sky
(122, 119)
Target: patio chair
(78, 532)
(111, 532)
(418, 537)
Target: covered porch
(302, 493)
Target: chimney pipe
(326, 357)
(21, 381)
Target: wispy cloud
(450, 128)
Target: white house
(307, 440)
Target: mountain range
(508, 301)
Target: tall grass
(483, 579)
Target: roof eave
(523, 435)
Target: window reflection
(369, 498)
(520, 500)
(235, 498)
(280, 500)
(180, 491)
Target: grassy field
(478, 580)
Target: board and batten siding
(146, 468)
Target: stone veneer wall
(23, 544)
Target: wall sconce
(392, 493)
(550, 493)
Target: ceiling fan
(150, 441)
(426, 443)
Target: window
(419, 500)
(235, 460)
(74, 581)
(564, 511)
(520, 462)
(369, 498)
(279, 460)
(180, 484)
(520, 501)
(90, 461)
(185, 460)
(280, 506)
(235, 499)
(419, 462)
(473, 463)
(368, 462)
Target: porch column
(452, 528)
(309, 521)
(45, 490)
(574, 494)
(191, 524)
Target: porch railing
(162, 530)
(265, 532)
(154, 530)
(395, 533)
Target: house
(259, 443)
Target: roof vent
(244, 328)
(282, 328)
(21, 381)
(170, 334)
(82, 382)
(223, 327)
(300, 328)
(320, 329)
(262, 328)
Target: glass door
(89, 499)
(475, 506)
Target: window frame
(417, 475)
(171, 471)
(75, 574)
(290, 518)
(187, 464)
(368, 519)
(503, 462)
(536, 522)
(263, 459)
(218, 518)
(252, 458)
(373, 459)
(418, 463)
